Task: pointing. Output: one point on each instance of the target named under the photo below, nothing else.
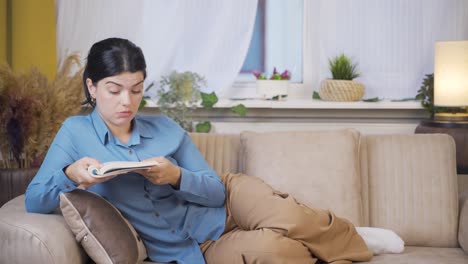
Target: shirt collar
(140, 129)
(101, 129)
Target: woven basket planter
(341, 90)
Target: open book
(119, 167)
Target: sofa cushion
(319, 168)
(101, 229)
(463, 223)
(36, 238)
(412, 187)
(422, 255)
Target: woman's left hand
(163, 173)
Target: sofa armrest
(463, 221)
(36, 238)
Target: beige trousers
(267, 226)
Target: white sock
(380, 240)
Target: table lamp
(451, 80)
(451, 95)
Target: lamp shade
(451, 73)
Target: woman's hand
(78, 172)
(163, 173)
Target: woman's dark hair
(111, 57)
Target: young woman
(182, 210)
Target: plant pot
(13, 182)
(341, 90)
(267, 89)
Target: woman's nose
(125, 98)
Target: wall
(33, 35)
(3, 31)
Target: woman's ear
(91, 87)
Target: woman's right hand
(78, 172)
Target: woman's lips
(124, 114)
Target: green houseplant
(342, 86)
(208, 101)
(426, 95)
(179, 95)
(32, 110)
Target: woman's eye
(113, 92)
(136, 91)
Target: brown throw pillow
(106, 236)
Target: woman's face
(118, 98)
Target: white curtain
(81, 23)
(392, 40)
(205, 36)
(209, 37)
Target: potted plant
(342, 87)
(179, 95)
(274, 87)
(32, 110)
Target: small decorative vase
(267, 89)
(341, 90)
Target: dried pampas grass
(32, 110)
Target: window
(276, 40)
(255, 59)
(392, 41)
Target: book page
(119, 167)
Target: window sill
(295, 103)
(308, 110)
(298, 114)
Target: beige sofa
(407, 183)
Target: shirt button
(67, 186)
(130, 152)
(173, 231)
(146, 196)
(156, 214)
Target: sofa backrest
(407, 183)
(320, 169)
(410, 186)
(221, 151)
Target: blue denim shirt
(171, 222)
